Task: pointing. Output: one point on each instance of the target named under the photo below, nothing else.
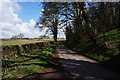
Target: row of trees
(20, 36)
(83, 20)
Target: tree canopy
(83, 20)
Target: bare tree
(50, 19)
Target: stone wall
(17, 50)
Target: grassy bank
(103, 54)
(107, 54)
(97, 52)
(27, 64)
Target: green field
(18, 42)
(24, 41)
(47, 39)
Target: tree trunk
(94, 41)
(55, 37)
(78, 31)
(119, 17)
(55, 33)
(104, 36)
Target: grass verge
(27, 64)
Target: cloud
(11, 24)
(9, 30)
(8, 11)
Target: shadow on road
(82, 67)
(70, 66)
